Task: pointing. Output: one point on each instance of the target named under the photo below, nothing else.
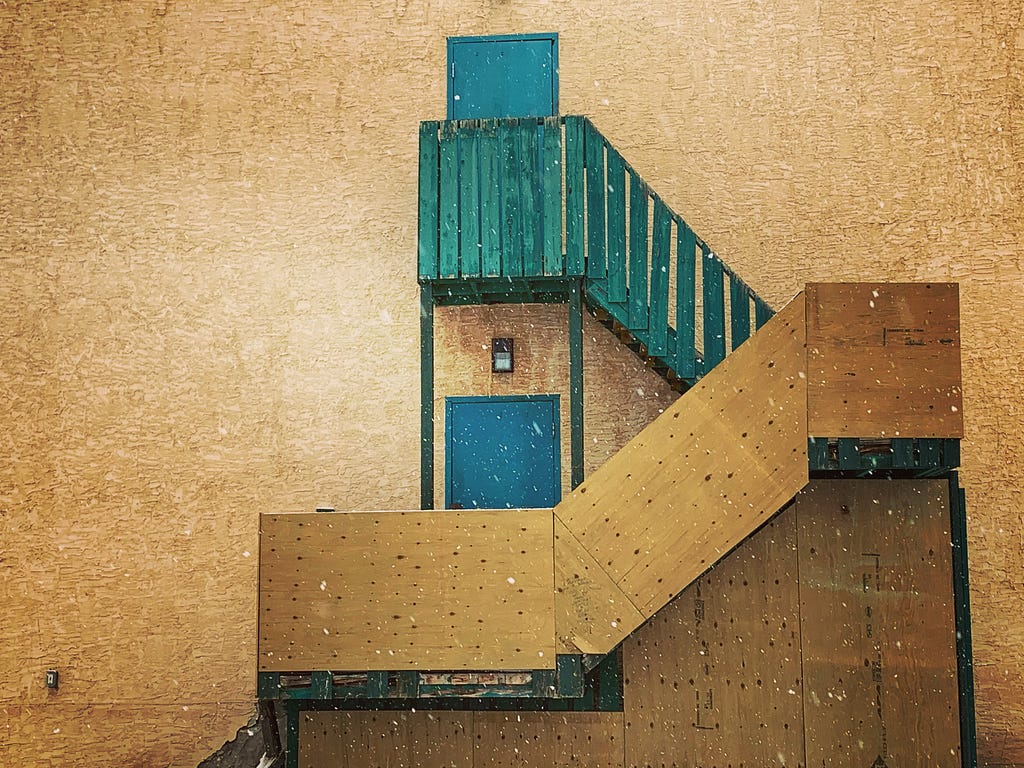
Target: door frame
(554, 399)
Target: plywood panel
(884, 360)
(433, 739)
(714, 678)
(405, 590)
(591, 613)
(877, 623)
(705, 474)
(548, 739)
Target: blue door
(508, 76)
(502, 452)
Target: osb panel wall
(209, 307)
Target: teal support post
(576, 382)
(426, 397)
(291, 742)
(321, 685)
(962, 619)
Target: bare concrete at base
(407, 590)
(825, 639)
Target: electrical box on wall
(52, 678)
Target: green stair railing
(516, 208)
(649, 271)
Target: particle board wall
(208, 295)
(407, 590)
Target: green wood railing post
(714, 310)
(576, 382)
(762, 312)
(469, 198)
(661, 245)
(428, 200)
(426, 396)
(511, 205)
(597, 265)
(532, 212)
(490, 201)
(291, 742)
(552, 187)
(686, 301)
(448, 243)
(962, 620)
(637, 253)
(739, 310)
(616, 224)
(574, 193)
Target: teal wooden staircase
(524, 210)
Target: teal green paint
(739, 310)
(428, 228)
(661, 245)
(594, 153)
(616, 177)
(930, 452)
(502, 76)
(449, 202)
(569, 675)
(321, 684)
(762, 312)
(511, 207)
(902, 452)
(426, 397)
(532, 210)
(490, 200)
(609, 685)
(376, 685)
(637, 253)
(574, 196)
(714, 310)
(291, 741)
(469, 201)
(576, 383)
(962, 618)
(551, 166)
(686, 301)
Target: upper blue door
(506, 76)
(502, 452)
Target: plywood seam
(611, 578)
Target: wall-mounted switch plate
(52, 678)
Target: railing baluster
(449, 173)
(686, 300)
(429, 228)
(714, 311)
(574, 196)
(637, 253)
(597, 265)
(616, 227)
(660, 245)
(490, 201)
(533, 243)
(469, 199)
(762, 312)
(551, 167)
(511, 206)
(739, 304)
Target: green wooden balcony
(523, 210)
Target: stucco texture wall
(208, 299)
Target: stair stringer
(696, 482)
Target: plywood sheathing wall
(208, 297)
(407, 590)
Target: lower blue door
(502, 452)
